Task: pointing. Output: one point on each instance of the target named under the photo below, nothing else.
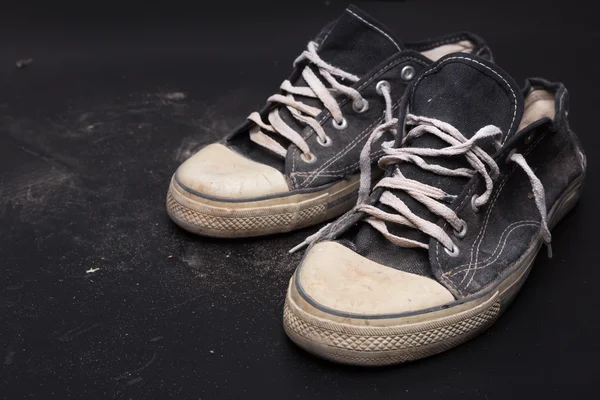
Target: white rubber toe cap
(219, 171)
(338, 278)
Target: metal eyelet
(529, 138)
(325, 143)
(380, 85)
(340, 126)
(364, 107)
(473, 206)
(308, 158)
(454, 252)
(408, 73)
(463, 231)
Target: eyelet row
(407, 74)
(455, 251)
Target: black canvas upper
(354, 43)
(470, 93)
(357, 44)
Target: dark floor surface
(102, 296)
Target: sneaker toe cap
(218, 171)
(337, 279)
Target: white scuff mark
(24, 62)
(175, 96)
(92, 270)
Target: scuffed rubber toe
(335, 278)
(216, 171)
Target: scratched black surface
(101, 296)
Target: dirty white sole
(229, 219)
(373, 342)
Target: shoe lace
(433, 198)
(388, 125)
(302, 112)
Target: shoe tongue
(356, 43)
(467, 93)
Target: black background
(89, 139)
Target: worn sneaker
(295, 163)
(436, 252)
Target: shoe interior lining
(464, 46)
(539, 104)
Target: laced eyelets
(473, 205)
(380, 85)
(407, 73)
(364, 106)
(308, 158)
(454, 252)
(463, 231)
(340, 126)
(325, 143)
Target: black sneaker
(296, 162)
(436, 252)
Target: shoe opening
(463, 46)
(539, 103)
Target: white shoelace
(431, 197)
(434, 198)
(389, 125)
(304, 113)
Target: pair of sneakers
(448, 175)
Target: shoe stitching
(493, 204)
(497, 251)
(437, 246)
(438, 66)
(375, 156)
(377, 29)
(462, 266)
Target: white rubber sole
(263, 217)
(376, 342)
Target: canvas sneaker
(434, 254)
(295, 163)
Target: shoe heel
(567, 202)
